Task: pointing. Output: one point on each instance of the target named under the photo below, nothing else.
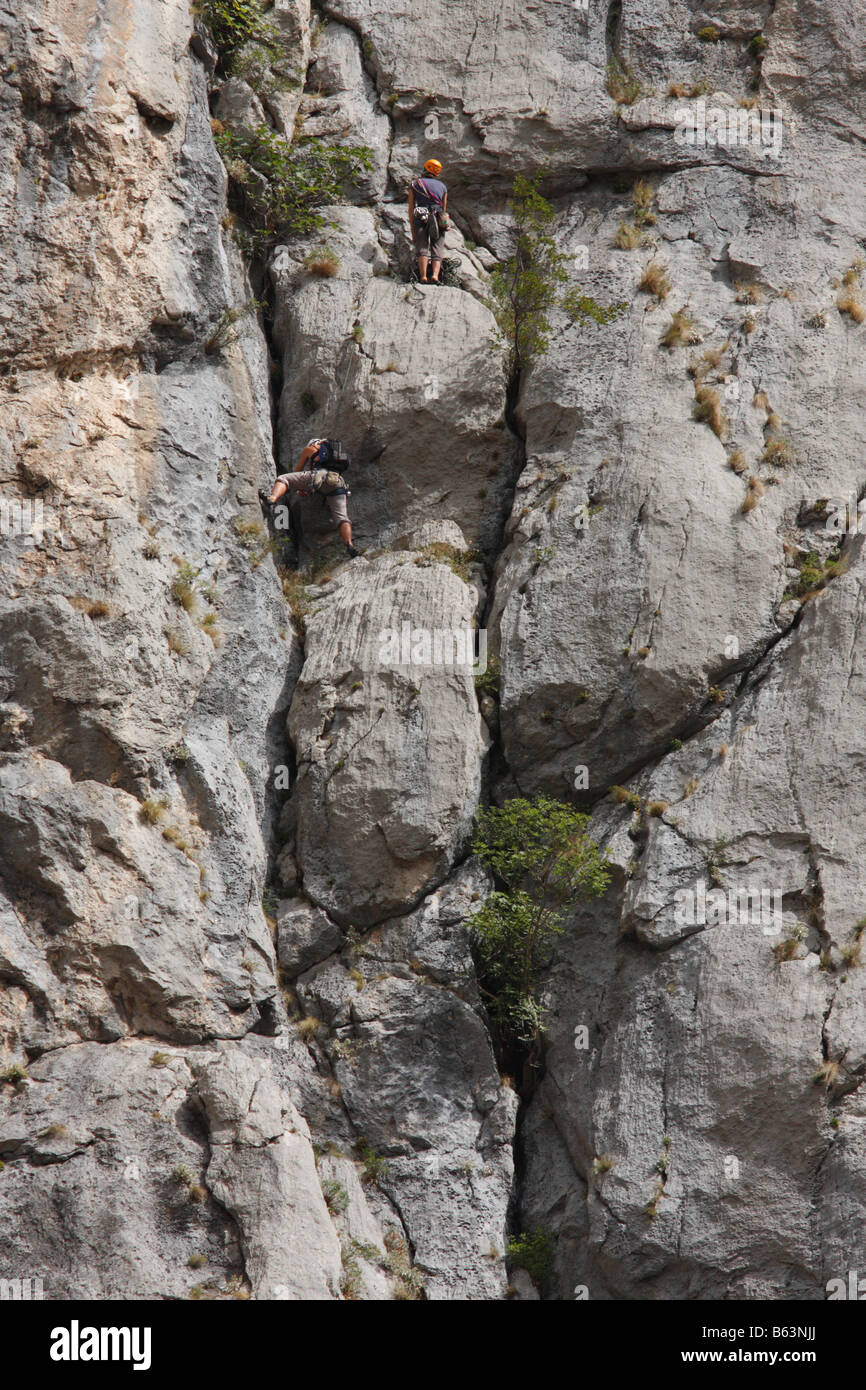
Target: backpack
(331, 454)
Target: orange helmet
(434, 167)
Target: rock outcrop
(243, 1052)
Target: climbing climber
(312, 474)
(428, 218)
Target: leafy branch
(529, 283)
(281, 186)
(540, 852)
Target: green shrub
(621, 83)
(532, 1251)
(281, 185)
(540, 851)
(226, 330)
(235, 23)
(487, 681)
(375, 1166)
(460, 562)
(335, 1195)
(815, 574)
(527, 285)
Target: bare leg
(435, 268)
(346, 531)
(422, 268)
(277, 491)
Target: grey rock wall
(234, 877)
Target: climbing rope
(449, 274)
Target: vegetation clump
(532, 1251)
(281, 185)
(527, 285)
(322, 261)
(815, 574)
(249, 44)
(540, 851)
(226, 332)
(654, 281)
(621, 83)
(681, 330)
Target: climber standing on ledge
(428, 219)
(313, 474)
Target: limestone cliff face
(234, 877)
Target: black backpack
(332, 454)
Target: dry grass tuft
(850, 303)
(681, 331)
(754, 493)
(628, 237)
(654, 281)
(177, 642)
(748, 293)
(308, 1027)
(778, 453)
(828, 1074)
(708, 407)
(322, 261)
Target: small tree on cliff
(540, 851)
(280, 185)
(530, 282)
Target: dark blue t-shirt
(436, 188)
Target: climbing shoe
(264, 497)
(353, 553)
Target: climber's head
(434, 167)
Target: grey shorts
(424, 244)
(321, 480)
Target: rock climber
(428, 218)
(312, 474)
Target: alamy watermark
(22, 518)
(754, 906)
(731, 127)
(434, 647)
(852, 1288)
(77, 1343)
(848, 518)
(18, 1289)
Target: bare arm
(306, 455)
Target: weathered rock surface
(419, 1084)
(387, 735)
(320, 1115)
(404, 372)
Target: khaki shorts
(424, 245)
(321, 480)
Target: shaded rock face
(242, 1050)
